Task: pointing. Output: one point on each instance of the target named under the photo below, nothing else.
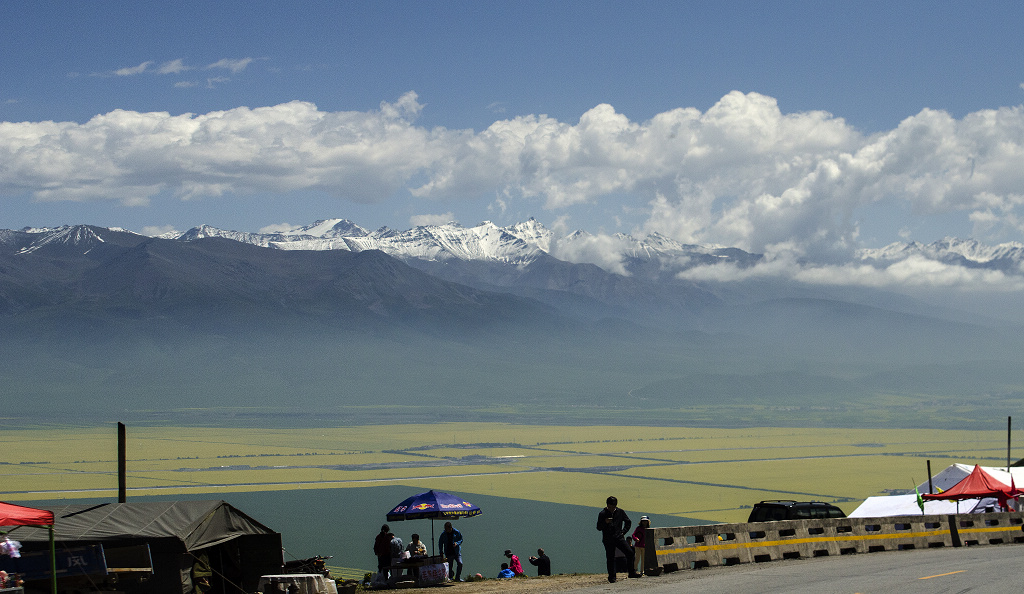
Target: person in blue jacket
(506, 572)
(450, 547)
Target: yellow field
(708, 474)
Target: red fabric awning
(977, 485)
(17, 515)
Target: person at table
(543, 563)
(449, 545)
(397, 548)
(416, 547)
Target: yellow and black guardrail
(693, 547)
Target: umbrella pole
(53, 563)
(431, 537)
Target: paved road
(931, 571)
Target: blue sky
(808, 128)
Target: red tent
(977, 485)
(17, 515)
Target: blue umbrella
(433, 505)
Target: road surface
(995, 568)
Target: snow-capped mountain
(654, 256)
(1008, 257)
(517, 245)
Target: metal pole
(122, 464)
(53, 563)
(930, 488)
(1009, 424)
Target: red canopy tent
(17, 515)
(977, 485)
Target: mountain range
(330, 318)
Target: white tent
(906, 505)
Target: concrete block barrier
(693, 547)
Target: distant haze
(212, 329)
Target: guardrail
(693, 547)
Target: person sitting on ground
(542, 562)
(505, 571)
(514, 564)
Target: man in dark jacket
(382, 548)
(543, 563)
(614, 524)
(450, 547)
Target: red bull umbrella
(433, 505)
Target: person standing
(613, 523)
(382, 548)
(639, 540)
(397, 547)
(450, 547)
(543, 563)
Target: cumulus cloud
(133, 157)
(601, 250)
(741, 173)
(431, 219)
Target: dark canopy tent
(978, 485)
(181, 535)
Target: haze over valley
(330, 322)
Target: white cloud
(601, 250)
(741, 173)
(235, 66)
(431, 219)
(156, 230)
(173, 67)
(279, 228)
(133, 69)
(213, 81)
(185, 84)
(912, 272)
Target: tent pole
(930, 488)
(1009, 423)
(53, 564)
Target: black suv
(786, 509)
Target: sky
(803, 129)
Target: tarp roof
(954, 473)
(197, 524)
(906, 505)
(19, 515)
(885, 506)
(976, 485)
